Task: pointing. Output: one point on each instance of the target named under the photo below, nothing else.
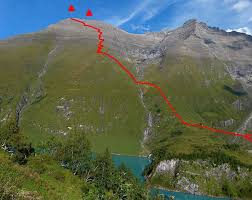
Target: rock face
(238, 105)
(64, 108)
(220, 171)
(227, 123)
(188, 186)
(167, 166)
(135, 46)
(148, 129)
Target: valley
(53, 84)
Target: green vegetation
(96, 97)
(211, 181)
(202, 167)
(40, 178)
(99, 97)
(86, 103)
(216, 157)
(82, 175)
(19, 64)
(196, 89)
(211, 185)
(93, 96)
(26, 175)
(103, 179)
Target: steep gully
(33, 91)
(100, 46)
(148, 129)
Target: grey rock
(238, 105)
(167, 166)
(227, 123)
(188, 186)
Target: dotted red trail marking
(100, 46)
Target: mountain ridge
(193, 39)
(104, 24)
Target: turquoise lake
(137, 165)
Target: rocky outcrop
(148, 129)
(188, 186)
(238, 105)
(34, 92)
(146, 56)
(227, 123)
(167, 166)
(247, 124)
(195, 176)
(220, 171)
(20, 106)
(64, 108)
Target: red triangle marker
(89, 13)
(71, 8)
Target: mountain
(59, 64)
(52, 83)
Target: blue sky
(135, 16)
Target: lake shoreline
(171, 190)
(140, 156)
(137, 165)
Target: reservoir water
(137, 165)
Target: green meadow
(101, 101)
(84, 91)
(196, 90)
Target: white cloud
(156, 7)
(150, 13)
(148, 9)
(224, 14)
(139, 27)
(246, 30)
(241, 5)
(135, 12)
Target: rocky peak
(192, 27)
(190, 22)
(194, 23)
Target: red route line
(100, 46)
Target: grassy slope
(41, 177)
(88, 82)
(19, 65)
(183, 81)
